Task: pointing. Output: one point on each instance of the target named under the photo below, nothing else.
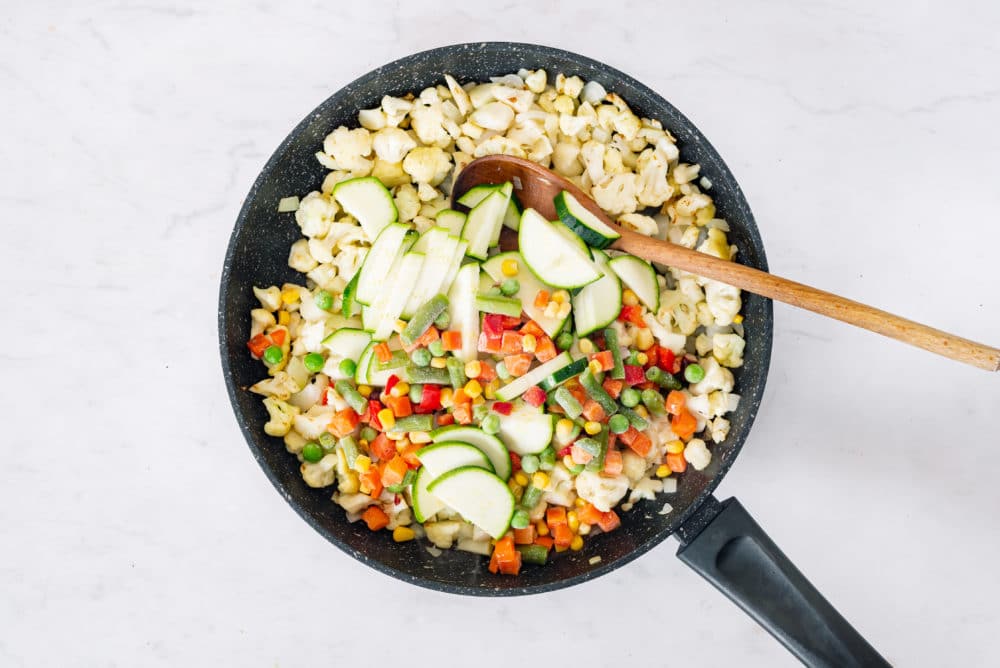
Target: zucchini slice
(594, 232)
(369, 201)
(551, 256)
(640, 277)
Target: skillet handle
(728, 548)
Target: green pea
(480, 413)
(694, 373)
(653, 400)
(443, 320)
(312, 452)
(547, 459)
(633, 358)
(520, 520)
(502, 372)
(416, 393)
(510, 287)
(314, 362)
(530, 463)
(421, 357)
(618, 424)
(491, 424)
(327, 440)
(564, 341)
(630, 397)
(369, 434)
(324, 300)
(347, 367)
(273, 355)
(436, 348)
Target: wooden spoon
(536, 187)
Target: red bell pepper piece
(430, 400)
(258, 345)
(666, 359)
(501, 407)
(493, 325)
(391, 383)
(634, 374)
(534, 395)
(632, 314)
(515, 462)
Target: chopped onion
(594, 560)
(667, 508)
(288, 204)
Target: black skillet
(719, 540)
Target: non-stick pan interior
(258, 255)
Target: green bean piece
(414, 423)
(534, 553)
(568, 402)
(350, 449)
(634, 418)
(611, 341)
(353, 398)
(423, 318)
(593, 387)
(456, 373)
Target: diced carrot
(535, 396)
(629, 435)
(494, 566)
(613, 462)
(445, 419)
(605, 359)
(409, 454)
(562, 535)
(555, 516)
(578, 392)
(525, 536)
(463, 413)
(258, 345)
(683, 424)
(451, 340)
(545, 350)
(504, 548)
(510, 343)
(613, 387)
(375, 518)
(652, 356)
(588, 514)
(517, 365)
(424, 340)
(541, 299)
(593, 411)
(509, 322)
(545, 541)
(632, 314)
(512, 567)
(393, 471)
(400, 406)
(676, 401)
(609, 521)
(489, 344)
(487, 371)
(278, 336)
(371, 482)
(676, 462)
(460, 397)
(382, 352)
(382, 448)
(344, 422)
(579, 455)
(641, 445)
(533, 328)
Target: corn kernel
(403, 534)
(542, 528)
(419, 437)
(399, 326)
(289, 296)
(564, 428)
(447, 397)
(363, 443)
(439, 363)
(576, 544)
(386, 418)
(675, 447)
(540, 480)
(284, 318)
(642, 411)
(595, 367)
(403, 443)
(579, 502)
(568, 462)
(400, 389)
(473, 388)
(521, 478)
(662, 471)
(362, 463)
(644, 339)
(490, 391)
(551, 310)
(573, 521)
(509, 267)
(479, 400)
(473, 368)
(584, 529)
(586, 346)
(592, 428)
(395, 435)
(365, 390)
(641, 358)
(529, 342)
(737, 318)
(560, 296)
(564, 310)
(629, 298)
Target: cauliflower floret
(540, 150)
(723, 300)
(320, 474)
(395, 110)
(720, 403)
(703, 345)
(518, 99)
(604, 492)
(697, 454)
(354, 503)
(719, 429)
(392, 144)
(593, 92)
(349, 148)
(269, 298)
(443, 534)
(716, 378)
(372, 119)
(715, 244)
(349, 260)
(299, 257)
(427, 123)
(315, 213)
(647, 489)
(294, 442)
(407, 202)
(565, 159)
(314, 421)
(391, 174)
(427, 164)
(481, 94)
(498, 145)
(640, 223)
(308, 308)
(654, 189)
(680, 309)
(311, 393)
(559, 491)
(427, 193)
(280, 415)
(617, 194)
(332, 179)
(260, 321)
(685, 173)
(728, 349)
(322, 249)
(592, 157)
(280, 386)
(633, 466)
(311, 336)
(614, 162)
(571, 126)
(458, 94)
(536, 81)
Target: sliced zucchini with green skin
(364, 360)
(454, 266)
(350, 306)
(592, 230)
(527, 430)
(440, 252)
(529, 285)
(572, 237)
(503, 305)
(369, 201)
(597, 305)
(479, 496)
(482, 226)
(440, 458)
(640, 277)
(390, 244)
(557, 378)
(513, 217)
(552, 257)
(425, 504)
(389, 304)
(429, 239)
(451, 220)
(347, 343)
(477, 194)
(517, 387)
(463, 312)
(492, 447)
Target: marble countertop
(137, 530)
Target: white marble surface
(136, 530)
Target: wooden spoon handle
(811, 299)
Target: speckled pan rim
(765, 330)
